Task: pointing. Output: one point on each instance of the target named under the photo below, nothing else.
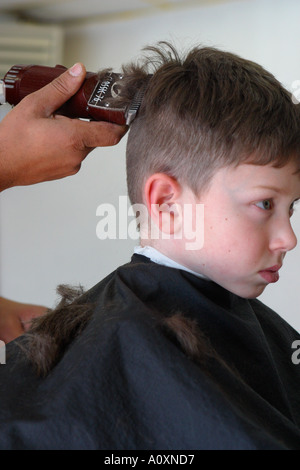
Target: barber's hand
(37, 146)
(15, 318)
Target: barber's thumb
(62, 88)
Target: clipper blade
(135, 104)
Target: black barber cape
(125, 384)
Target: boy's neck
(158, 257)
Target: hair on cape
(50, 335)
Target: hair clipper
(95, 100)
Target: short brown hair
(203, 111)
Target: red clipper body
(94, 99)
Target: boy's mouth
(271, 274)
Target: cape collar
(159, 258)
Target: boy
(173, 350)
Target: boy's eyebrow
(272, 188)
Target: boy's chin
(248, 292)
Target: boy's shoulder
(142, 285)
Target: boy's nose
(284, 238)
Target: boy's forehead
(246, 176)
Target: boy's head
(217, 130)
(207, 110)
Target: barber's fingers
(10, 328)
(98, 134)
(51, 97)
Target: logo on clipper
(107, 88)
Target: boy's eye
(266, 204)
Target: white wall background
(48, 231)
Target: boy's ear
(162, 195)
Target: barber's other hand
(15, 318)
(37, 146)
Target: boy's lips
(271, 274)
